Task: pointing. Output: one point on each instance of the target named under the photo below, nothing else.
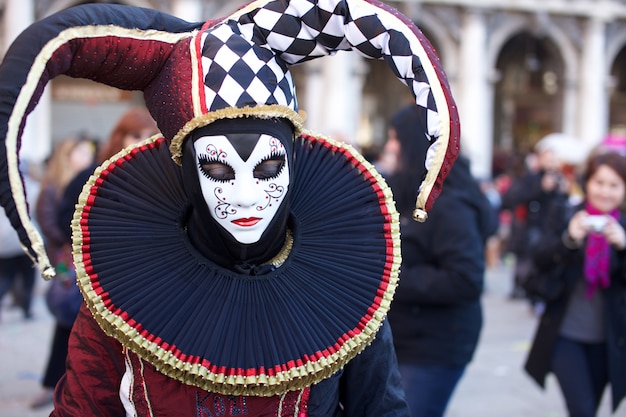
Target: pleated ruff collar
(221, 331)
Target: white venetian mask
(242, 196)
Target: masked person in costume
(235, 265)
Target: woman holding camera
(581, 337)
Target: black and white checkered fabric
(247, 56)
(240, 73)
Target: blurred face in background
(135, 136)
(548, 160)
(605, 189)
(134, 126)
(390, 156)
(81, 156)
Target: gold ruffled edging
(210, 377)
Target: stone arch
(616, 42)
(440, 36)
(520, 23)
(500, 35)
(548, 32)
(616, 67)
(383, 95)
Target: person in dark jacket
(581, 337)
(436, 317)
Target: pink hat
(614, 142)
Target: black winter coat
(550, 253)
(526, 192)
(436, 315)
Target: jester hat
(192, 74)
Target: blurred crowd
(563, 226)
(523, 187)
(555, 216)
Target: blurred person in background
(527, 199)
(17, 272)
(580, 337)
(68, 157)
(134, 126)
(436, 317)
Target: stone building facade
(518, 70)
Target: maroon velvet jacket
(99, 367)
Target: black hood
(464, 186)
(410, 129)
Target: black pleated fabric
(150, 288)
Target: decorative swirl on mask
(274, 191)
(213, 152)
(276, 145)
(222, 209)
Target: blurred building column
(334, 91)
(570, 94)
(314, 86)
(475, 98)
(189, 10)
(593, 97)
(36, 140)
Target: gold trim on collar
(282, 256)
